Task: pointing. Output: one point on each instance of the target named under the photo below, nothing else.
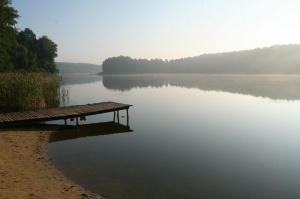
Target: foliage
(124, 64)
(32, 54)
(8, 17)
(28, 91)
(277, 59)
(22, 50)
(46, 52)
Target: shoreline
(26, 171)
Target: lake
(189, 136)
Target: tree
(19, 57)
(28, 40)
(47, 51)
(22, 50)
(32, 54)
(8, 16)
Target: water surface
(190, 136)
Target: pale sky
(90, 31)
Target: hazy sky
(92, 30)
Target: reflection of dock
(88, 130)
(69, 112)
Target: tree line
(21, 50)
(278, 59)
(69, 68)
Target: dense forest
(22, 50)
(70, 68)
(279, 59)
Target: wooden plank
(5, 118)
(16, 116)
(9, 118)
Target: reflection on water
(271, 86)
(188, 143)
(88, 130)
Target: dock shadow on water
(88, 130)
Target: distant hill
(71, 68)
(279, 59)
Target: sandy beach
(25, 169)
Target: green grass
(28, 91)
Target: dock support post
(127, 117)
(65, 122)
(76, 121)
(118, 117)
(114, 115)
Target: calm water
(190, 136)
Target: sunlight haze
(91, 31)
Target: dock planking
(50, 114)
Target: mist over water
(190, 136)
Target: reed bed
(28, 91)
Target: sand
(25, 169)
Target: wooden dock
(68, 112)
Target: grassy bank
(28, 91)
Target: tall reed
(28, 91)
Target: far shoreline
(208, 74)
